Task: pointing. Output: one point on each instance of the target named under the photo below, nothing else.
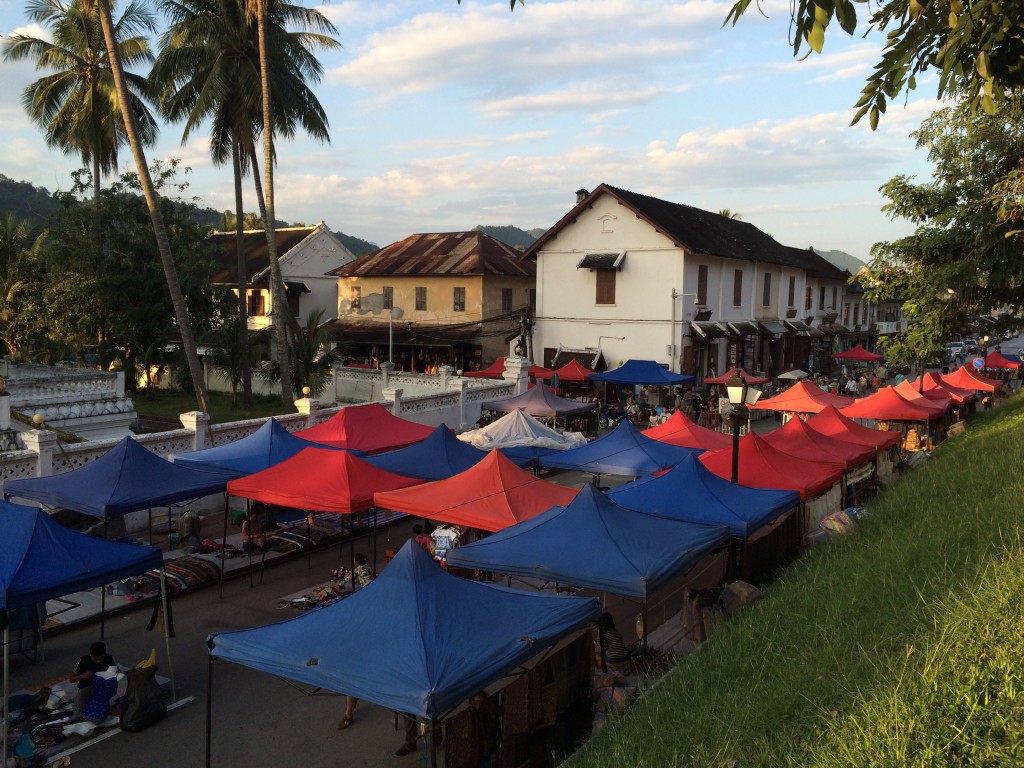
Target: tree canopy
(976, 47)
(964, 259)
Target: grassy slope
(898, 645)
(169, 404)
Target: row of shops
(769, 346)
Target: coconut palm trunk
(279, 305)
(243, 278)
(156, 214)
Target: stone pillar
(199, 423)
(393, 395)
(119, 384)
(464, 422)
(446, 372)
(5, 410)
(386, 369)
(309, 407)
(43, 443)
(517, 370)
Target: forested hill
(842, 260)
(25, 201)
(30, 203)
(514, 236)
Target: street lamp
(740, 396)
(984, 354)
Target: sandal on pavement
(345, 722)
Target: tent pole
(432, 741)
(374, 533)
(7, 682)
(352, 553)
(263, 549)
(309, 538)
(167, 630)
(150, 511)
(209, 707)
(224, 545)
(40, 655)
(248, 518)
(103, 589)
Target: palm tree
(209, 67)
(312, 352)
(77, 105)
(17, 277)
(230, 356)
(730, 215)
(149, 191)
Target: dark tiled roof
(254, 243)
(703, 232)
(445, 253)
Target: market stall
(370, 428)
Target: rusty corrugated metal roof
(254, 242)
(441, 253)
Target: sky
(445, 116)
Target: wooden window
(766, 300)
(293, 303)
(506, 299)
(856, 314)
(810, 297)
(702, 285)
(821, 297)
(737, 288)
(459, 302)
(792, 292)
(421, 299)
(257, 308)
(532, 292)
(605, 286)
(389, 297)
(357, 297)
(835, 298)
(846, 314)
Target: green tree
(135, 141)
(19, 285)
(975, 48)
(230, 356)
(959, 262)
(209, 68)
(77, 104)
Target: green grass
(900, 644)
(169, 404)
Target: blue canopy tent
(440, 456)
(127, 478)
(692, 492)
(593, 542)
(765, 534)
(40, 559)
(636, 372)
(623, 451)
(269, 445)
(416, 639)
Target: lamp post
(984, 354)
(740, 396)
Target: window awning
(772, 327)
(588, 357)
(602, 260)
(295, 287)
(834, 328)
(797, 325)
(709, 329)
(744, 328)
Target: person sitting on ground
(253, 538)
(97, 660)
(612, 650)
(362, 571)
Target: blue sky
(446, 116)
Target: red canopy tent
(497, 368)
(798, 439)
(762, 466)
(320, 480)
(491, 495)
(681, 431)
(858, 353)
(888, 405)
(941, 403)
(965, 378)
(934, 383)
(370, 428)
(832, 423)
(571, 371)
(803, 397)
(996, 360)
(749, 378)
